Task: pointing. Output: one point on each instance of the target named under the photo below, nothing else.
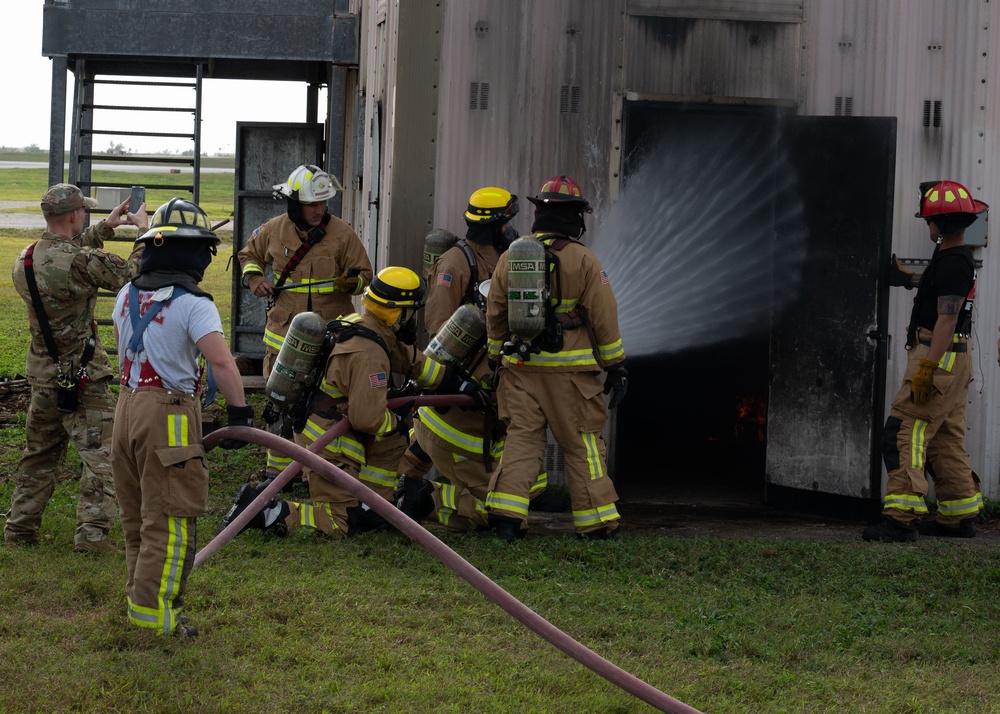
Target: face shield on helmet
(394, 297)
(309, 184)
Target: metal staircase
(82, 156)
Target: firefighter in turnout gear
(59, 277)
(464, 443)
(163, 322)
(553, 380)
(318, 264)
(926, 424)
(355, 383)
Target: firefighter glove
(402, 414)
(480, 397)
(616, 383)
(922, 385)
(237, 416)
(346, 285)
(898, 276)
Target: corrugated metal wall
(526, 92)
(529, 89)
(927, 63)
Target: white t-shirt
(170, 340)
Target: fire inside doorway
(746, 251)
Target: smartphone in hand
(137, 198)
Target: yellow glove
(923, 382)
(346, 285)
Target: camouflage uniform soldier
(69, 266)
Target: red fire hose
(514, 607)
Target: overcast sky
(26, 86)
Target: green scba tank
(526, 288)
(436, 243)
(292, 372)
(459, 338)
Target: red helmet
(560, 189)
(941, 198)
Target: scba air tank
(461, 337)
(526, 288)
(289, 379)
(437, 242)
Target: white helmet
(309, 184)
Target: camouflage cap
(63, 198)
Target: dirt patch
(15, 395)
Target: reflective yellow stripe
(430, 373)
(307, 515)
(308, 287)
(463, 440)
(164, 617)
(387, 424)
(273, 339)
(905, 502)
(567, 358)
(497, 500)
(595, 516)
(343, 445)
(947, 361)
(277, 462)
(612, 351)
(377, 476)
(541, 483)
(962, 506)
(331, 389)
(252, 269)
(177, 430)
(593, 455)
(567, 305)
(918, 447)
(493, 347)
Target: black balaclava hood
(564, 218)
(180, 262)
(294, 210)
(491, 234)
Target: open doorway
(694, 427)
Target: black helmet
(178, 218)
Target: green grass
(216, 197)
(376, 624)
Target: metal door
(828, 350)
(266, 154)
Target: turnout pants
(47, 433)
(572, 406)
(162, 481)
(934, 435)
(375, 467)
(459, 504)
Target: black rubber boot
(414, 497)
(966, 528)
(506, 528)
(267, 518)
(599, 534)
(889, 530)
(361, 520)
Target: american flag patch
(605, 280)
(444, 279)
(377, 380)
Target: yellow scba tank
(526, 288)
(289, 380)
(435, 244)
(460, 338)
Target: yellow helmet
(396, 287)
(490, 204)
